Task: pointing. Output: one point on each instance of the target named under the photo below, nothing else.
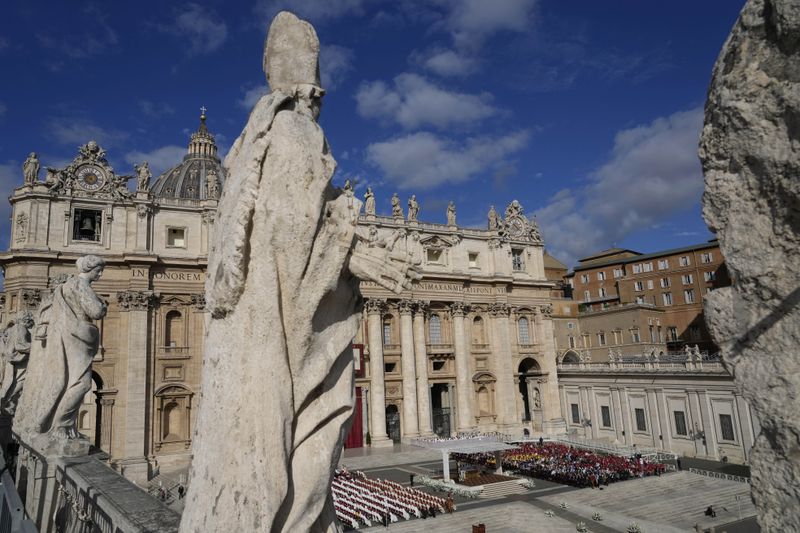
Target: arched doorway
(531, 396)
(393, 422)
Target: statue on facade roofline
(451, 214)
(16, 348)
(143, 176)
(413, 208)
(369, 202)
(397, 210)
(284, 271)
(494, 219)
(30, 169)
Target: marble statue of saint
(397, 209)
(143, 176)
(282, 290)
(451, 214)
(494, 219)
(369, 202)
(60, 366)
(413, 207)
(30, 169)
(16, 349)
(212, 185)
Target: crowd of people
(568, 465)
(361, 501)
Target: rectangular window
(617, 273)
(635, 337)
(652, 333)
(663, 264)
(688, 296)
(576, 414)
(650, 284)
(617, 336)
(637, 268)
(176, 237)
(473, 259)
(435, 256)
(647, 267)
(680, 422)
(601, 276)
(586, 340)
(708, 276)
(638, 286)
(658, 330)
(667, 298)
(87, 225)
(726, 427)
(435, 329)
(601, 292)
(694, 332)
(571, 341)
(517, 263)
(664, 283)
(387, 333)
(584, 278)
(640, 299)
(601, 339)
(587, 296)
(684, 261)
(641, 422)
(605, 414)
(706, 257)
(570, 325)
(672, 333)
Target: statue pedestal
(136, 469)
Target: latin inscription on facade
(168, 275)
(435, 286)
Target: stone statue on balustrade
(30, 169)
(413, 208)
(369, 202)
(16, 347)
(494, 219)
(451, 214)
(397, 210)
(60, 365)
(143, 176)
(282, 290)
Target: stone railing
(645, 365)
(620, 307)
(12, 512)
(720, 475)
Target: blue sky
(587, 112)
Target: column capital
(375, 306)
(499, 310)
(422, 307)
(459, 309)
(137, 300)
(405, 306)
(546, 310)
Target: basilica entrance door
(393, 423)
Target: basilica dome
(199, 176)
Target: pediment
(436, 241)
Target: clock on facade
(516, 228)
(90, 177)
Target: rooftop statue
(369, 202)
(397, 209)
(16, 349)
(413, 208)
(30, 169)
(143, 176)
(282, 291)
(451, 214)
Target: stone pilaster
(106, 401)
(377, 393)
(423, 387)
(709, 425)
(411, 429)
(554, 423)
(501, 340)
(465, 420)
(132, 458)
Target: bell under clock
(90, 177)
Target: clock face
(90, 177)
(516, 228)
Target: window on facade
(652, 333)
(650, 284)
(635, 337)
(605, 416)
(694, 332)
(638, 286)
(664, 283)
(601, 338)
(173, 329)
(667, 298)
(601, 292)
(87, 225)
(672, 333)
(663, 264)
(637, 268)
(524, 333)
(688, 296)
(601, 276)
(641, 422)
(708, 276)
(684, 261)
(658, 330)
(473, 259)
(640, 299)
(389, 367)
(584, 278)
(687, 279)
(478, 336)
(571, 341)
(706, 257)
(680, 422)
(435, 329)
(586, 340)
(387, 331)
(617, 336)
(176, 237)
(517, 263)
(647, 267)
(435, 256)
(726, 427)
(587, 296)
(438, 366)
(576, 413)
(570, 325)
(618, 273)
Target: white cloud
(83, 41)
(471, 21)
(68, 130)
(413, 101)
(335, 62)
(316, 11)
(160, 159)
(652, 174)
(448, 63)
(424, 160)
(200, 27)
(155, 110)
(252, 96)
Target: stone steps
(503, 488)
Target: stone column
(465, 420)
(423, 387)
(666, 420)
(501, 347)
(594, 414)
(619, 420)
(625, 406)
(377, 395)
(411, 429)
(554, 423)
(709, 424)
(745, 425)
(106, 402)
(451, 404)
(655, 421)
(133, 460)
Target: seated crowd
(359, 500)
(567, 465)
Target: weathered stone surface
(282, 290)
(750, 149)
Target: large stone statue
(282, 291)
(451, 214)
(30, 169)
(397, 209)
(369, 202)
(413, 208)
(59, 370)
(143, 176)
(16, 348)
(494, 219)
(750, 150)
